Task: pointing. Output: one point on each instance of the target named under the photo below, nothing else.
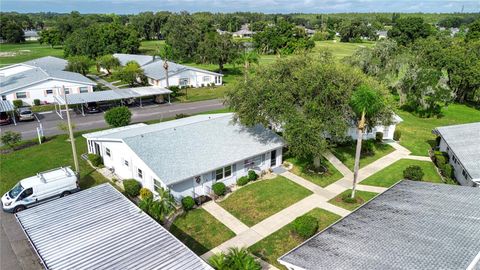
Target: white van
(40, 188)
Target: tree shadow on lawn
(189, 241)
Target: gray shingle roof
(140, 59)
(464, 141)
(413, 225)
(98, 228)
(179, 149)
(43, 69)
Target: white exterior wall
(196, 79)
(457, 166)
(39, 91)
(386, 130)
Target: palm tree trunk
(317, 162)
(358, 151)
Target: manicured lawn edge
(331, 176)
(346, 154)
(363, 196)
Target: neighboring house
(178, 75)
(244, 32)
(31, 35)
(387, 131)
(222, 32)
(187, 155)
(42, 79)
(99, 228)
(462, 144)
(382, 34)
(413, 225)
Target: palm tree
(160, 208)
(246, 59)
(235, 259)
(370, 107)
(165, 53)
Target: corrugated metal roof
(99, 228)
(139, 58)
(6, 106)
(116, 94)
(464, 141)
(204, 142)
(413, 225)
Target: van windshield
(15, 191)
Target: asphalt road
(51, 120)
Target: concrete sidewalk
(225, 217)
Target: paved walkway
(102, 81)
(225, 217)
(337, 164)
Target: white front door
(198, 190)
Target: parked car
(91, 107)
(44, 186)
(25, 114)
(5, 119)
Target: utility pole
(70, 131)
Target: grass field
(361, 196)
(200, 231)
(16, 53)
(346, 154)
(275, 245)
(323, 180)
(394, 173)
(257, 201)
(417, 132)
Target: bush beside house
(252, 175)
(397, 134)
(96, 160)
(132, 187)
(242, 181)
(379, 136)
(219, 189)
(188, 203)
(145, 193)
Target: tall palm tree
(165, 53)
(246, 59)
(369, 106)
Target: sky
(265, 6)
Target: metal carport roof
(6, 106)
(109, 95)
(99, 228)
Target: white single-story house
(382, 34)
(413, 225)
(371, 133)
(243, 33)
(42, 79)
(188, 155)
(31, 35)
(178, 75)
(462, 144)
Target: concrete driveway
(51, 120)
(15, 249)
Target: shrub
(132, 187)
(368, 147)
(175, 90)
(242, 181)
(145, 193)
(17, 103)
(305, 226)
(252, 175)
(10, 138)
(181, 115)
(440, 160)
(437, 140)
(118, 116)
(188, 203)
(347, 198)
(235, 259)
(96, 160)
(397, 134)
(36, 102)
(448, 171)
(219, 188)
(413, 172)
(379, 136)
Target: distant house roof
(99, 228)
(36, 71)
(30, 33)
(413, 225)
(203, 142)
(464, 141)
(153, 66)
(243, 32)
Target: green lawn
(362, 197)
(275, 245)
(200, 231)
(323, 180)
(198, 94)
(417, 132)
(54, 153)
(394, 173)
(346, 154)
(150, 47)
(16, 53)
(340, 49)
(255, 202)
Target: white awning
(6, 106)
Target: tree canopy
(79, 64)
(283, 38)
(407, 29)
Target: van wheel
(19, 208)
(65, 193)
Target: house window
(206, 78)
(4, 97)
(84, 89)
(223, 173)
(464, 173)
(156, 185)
(49, 91)
(125, 162)
(253, 162)
(66, 91)
(21, 94)
(107, 152)
(140, 173)
(183, 82)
